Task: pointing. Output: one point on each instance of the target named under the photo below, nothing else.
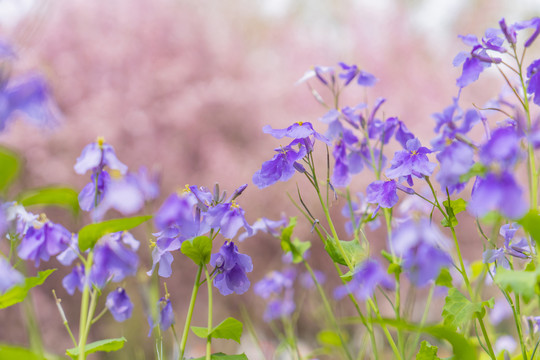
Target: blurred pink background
(185, 87)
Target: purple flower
(280, 307)
(349, 72)
(28, 96)
(382, 193)
(455, 160)
(503, 148)
(166, 316)
(232, 267)
(533, 23)
(115, 258)
(411, 162)
(280, 168)
(123, 195)
(497, 192)
(161, 254)
(87, 196)
(274, 283)
(178, 211)
(74, 280)
(42, 242)
(119, 305)
(71, 253)
(298, 130)
(9, 277)
(266, 225)
(533, 82)
(318, 71)
(423, 249)
(307, 281)
(366, 79)
(95, 156)
(366, 278)
(228, 218)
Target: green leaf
(458, 309)
(352, 249)
(222, 356)
(53, 195)
(461, 347)
(90, 234)
(444, 278)
(523, 283)
(106, 345)
(198, 249)
(10, 164)
(452, 209)
(18, 293)
(427, 352)
(394, 269)
(531, 224)
(329, 338)
(478, 169)
(296, 247)
(10, 352)
(230, 328)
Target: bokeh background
(184, 88)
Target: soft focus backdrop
(184, 88)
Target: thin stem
(424, 317)
(84, 307)
(190, 312)
(209, 337)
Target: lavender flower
(503, 148)
(455, 160)
(281, 167)
(161, 254)
(232, 267)
(298, 130)
(497, 192)
(119, 305)
(166, 316)
(533, 82)
(87, 196)
(74, 280)
(411, 162)
(228, 218)
(43, 241)
(384, 193)
(95, 156)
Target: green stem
(424, 317)
(391, 341)
(328, 309)
(190, 312)
(209, 337)
(34, 334)
(84, 307)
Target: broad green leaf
(453, 208)
(198, 249)
(458, 309)
(347, 276)
(329, 338)
(229, 328)
(461, 347)
(222, 356)
(18, 293)
(478, 169)
(287, 231)
(394, 269)
(523, 283)
(352, 249)
(56, 196)
(90, 234)
(11, 352)
(10, 164)
(444, 278)
(427, 352)
(106, 345)
(531, 224)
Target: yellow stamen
(300, 123)
(115, 174)
(100, 141)
(234, 205)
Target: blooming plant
(488, 309)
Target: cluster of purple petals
(411, 162)
(326, 75)
(191, 213)
(479, 58)
(367, 277)
(42, 241)
(423, 249)
(232, 268)
(115, 258)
